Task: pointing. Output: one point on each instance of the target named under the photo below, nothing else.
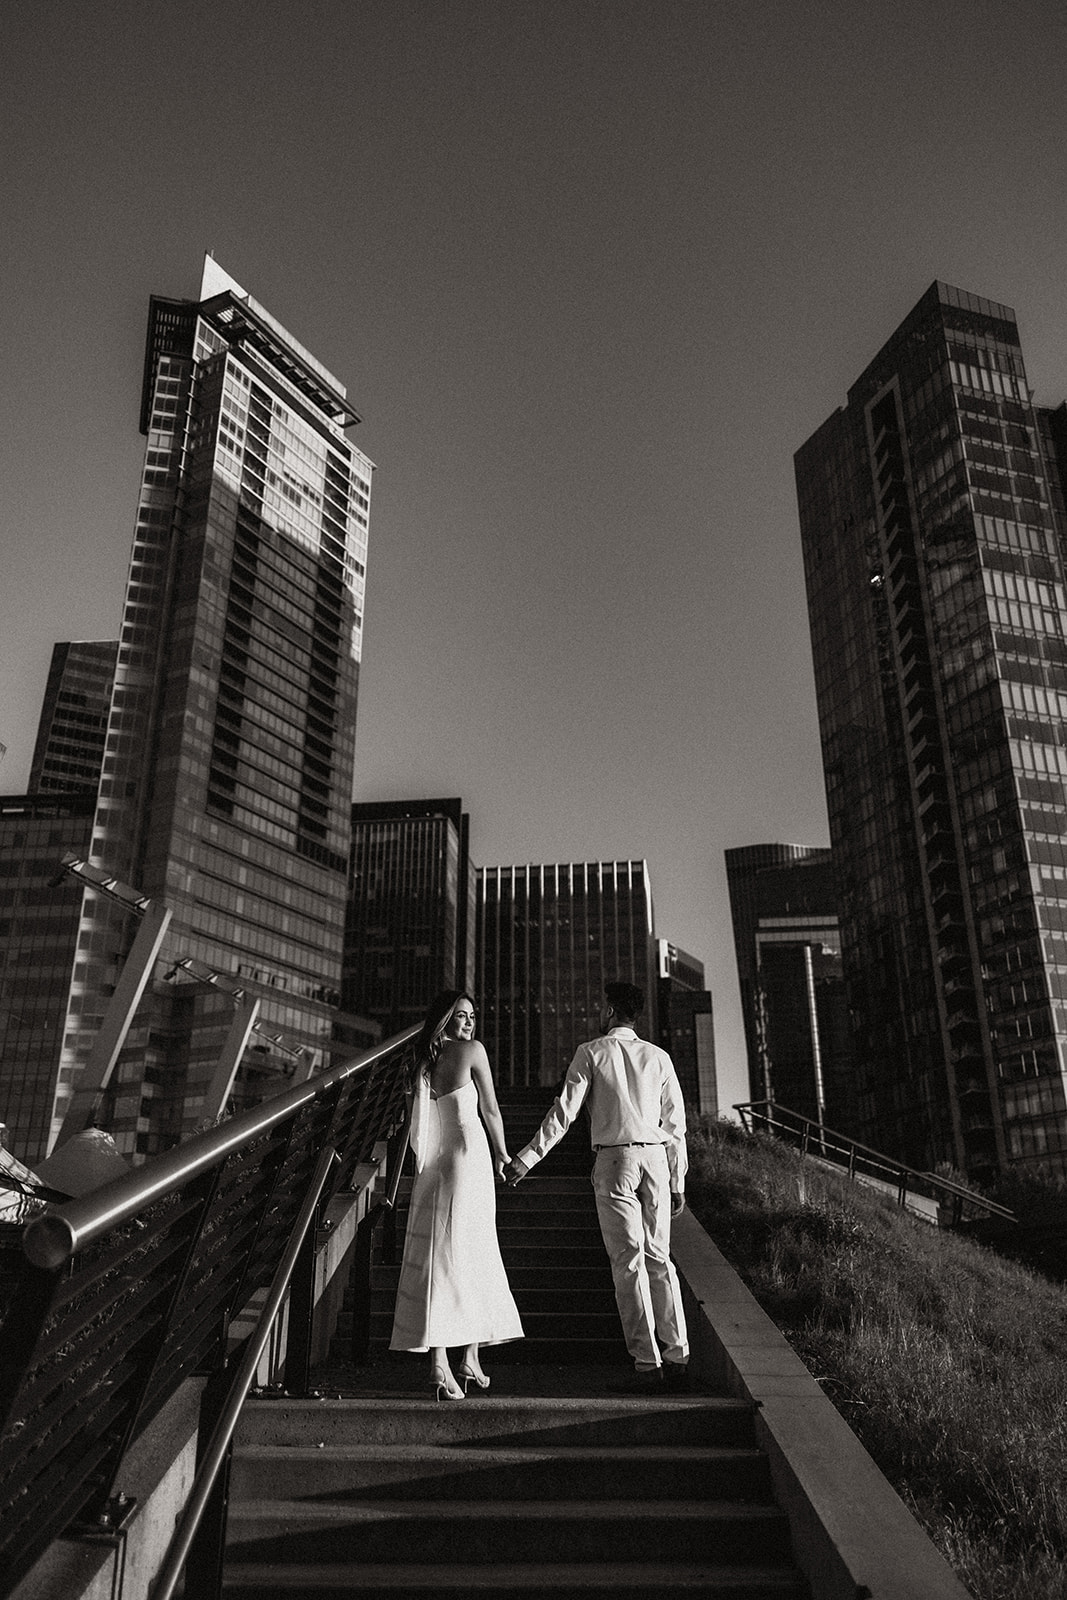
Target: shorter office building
(69, 751)
(787, 936)
(410, 918)
(549, 937)
(686, 1024)
(38, 953)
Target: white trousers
(633, 1202)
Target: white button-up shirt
(634, 1098)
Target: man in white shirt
(637, 1126)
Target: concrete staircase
(543, 1486)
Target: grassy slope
(948, 1362)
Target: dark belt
(634, 1144)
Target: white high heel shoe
(441, 1383)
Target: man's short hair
(625, 999)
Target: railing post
(359, 1283)
(207, 1552)
(297, 1370)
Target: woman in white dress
(453, 1290)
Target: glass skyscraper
(933, 533)
(549, 938)
(228, 764)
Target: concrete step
(577, 1280)
(572, 1254)
(540, 1188)
(532, 1351)
(579, 1326)
(462, 1472)
(497, 1581)
(569, 1249)
(515, 1420)
(542, 1298)
(546, 1221)
(469, 1532)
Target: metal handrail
(108, 1301)
(828, 1140)
(181, 1540)
(51, 1239)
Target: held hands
(514, 1172)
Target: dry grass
(949, 1362)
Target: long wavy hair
(428, 1044)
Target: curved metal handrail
(52, 1238)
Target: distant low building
(788, 942)
(549, 938)
(69, 751)
(686, 1024)
(38, 954)
(410, 919)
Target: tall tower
(932, 523)
(227, 773)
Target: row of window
(988, 380)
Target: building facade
(227, 773)
(69, 751)
(548, 939)
(931, 517)
(685, 1024)
(410, 923)
(786, 930)
(38, 948)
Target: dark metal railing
(860, 1160)
(110, 1301)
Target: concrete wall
(853, 1536)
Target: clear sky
(592, 271)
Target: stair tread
(350, 1511)
(567, 1576)
(471, 1455)
(567, 1407)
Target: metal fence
(108, 1302)
(860, 1160)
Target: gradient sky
(592, 271)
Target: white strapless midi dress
(453, 1289)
